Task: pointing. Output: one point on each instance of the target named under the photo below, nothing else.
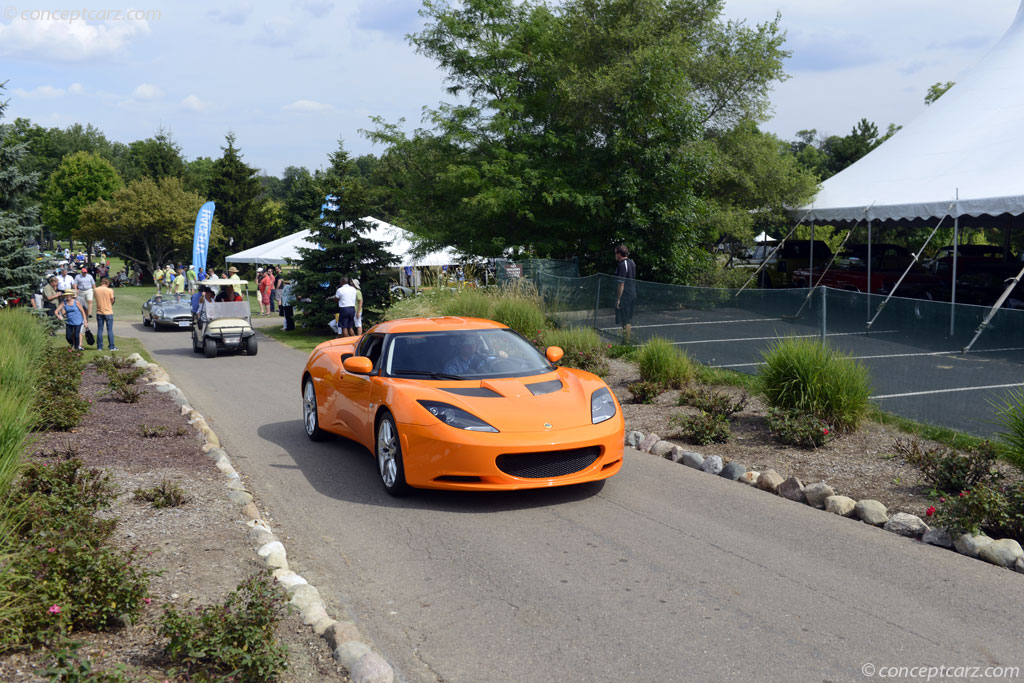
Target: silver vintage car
(163, 311)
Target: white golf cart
(224, 325)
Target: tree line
(572, 126)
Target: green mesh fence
(912, 348)
(534, 269)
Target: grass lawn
(303, 340)
(128, 301)
(125, 346)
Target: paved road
(661, 574)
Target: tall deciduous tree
(155, 157)
(81, 179)
(149, 222)
(19, 271)
(577, 127)
(345, 249)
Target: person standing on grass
(346, 296)
(359, 306)
(275, 297)
(263, 284)
(190, 279)
(287, 305)
(70, 312)
(625, 293)
(178, 284)
(104, 300)
(64, 281)
(51, 295)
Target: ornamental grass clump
(1010, 416)
(659, 361)
(582, 346)
(810, 377)
(522, 315)
(467, 304)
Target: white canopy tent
(394, 238)
(764, 237)
(966, 149)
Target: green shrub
(970, 511)
(522, 315)
(583, 348)
(950, 472)
(69, 666)
(797, 428)
(1009, 414)
(626, 351)
(659, 361)
(470, 303)
(703, 428)
(807, 376)
(234, 639)
(58, 404)
(714, 402)
(645, 392)
(166, 495)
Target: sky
(290, 78)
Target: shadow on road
(344, 470)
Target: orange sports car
(462, 403)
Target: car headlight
(456, 417)
(158, 312)
(602, 406)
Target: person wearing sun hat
(233, 275)
(70, 311)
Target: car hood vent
(478, 392)
(541, 388)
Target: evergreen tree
(345, 247)
(20, 273)
(235, 187)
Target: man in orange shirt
(103, 298)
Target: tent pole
(810, 265)
(868, 297)
(956, 250)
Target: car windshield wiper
(428, 373)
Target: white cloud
(277, 32)
(237, 14)
(76, 89)
(147, 91)
(308, 105)
(64, 41)
(39, 91)
(315, 8)
(193, 103)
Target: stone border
(363, 664)
(1006, 552)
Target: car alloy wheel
(389, 457)
(309, 417)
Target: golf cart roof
(215, 282)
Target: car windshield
(463, 354)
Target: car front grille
(549, 464)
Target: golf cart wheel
(210, 348)
(196, 346)
(251, 347)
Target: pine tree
(20, 273)
(345, 247)
(235, 187)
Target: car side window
(370, 346)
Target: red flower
(942, 500)
(930, 511)
(961, 494)
(825, 431)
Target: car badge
(547, 425)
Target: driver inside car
(467, 358)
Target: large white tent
(394, 238)
(965, 150)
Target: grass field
(303, 340)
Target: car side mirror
(554, 354)
(358, 365)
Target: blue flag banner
(201, 239)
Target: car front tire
(389, 457)
(145, 322)
(310, 418)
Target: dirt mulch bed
(860, 465)
(199, 550)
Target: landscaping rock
(712, 464)
(240, 497)
(251, 511)
(163, 387)
(676, 454)
(1005, 552)
(817, 493)
(321, 626)
(371, 668)
(939, 537)
(314, 613)
(873, 512)
(1019, 565)
(648, 443)
(733, 471)
(793, 489)
(840, 505)
(634, 438)
(341, 632)
(691, 459)
(304, 596)
(770, 480)
(349, 652)
(662, 449)
(903, 524)
(290, 580)
(749, 478)
(967, 544)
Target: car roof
(444, 324)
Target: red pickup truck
(888, 263)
